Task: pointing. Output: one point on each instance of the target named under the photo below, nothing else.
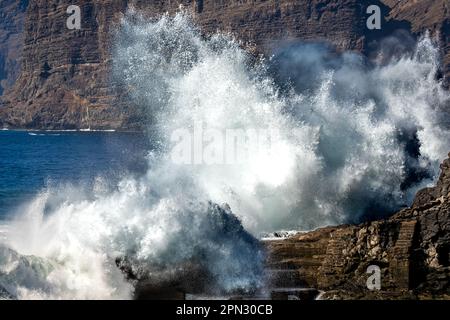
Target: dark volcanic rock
(412, 249)
(64, 82)
(427, 196)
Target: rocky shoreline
(52, 78)
(412, 249)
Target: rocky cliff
(64, 76)
(412, 250)
(64, 80)
(12, 17)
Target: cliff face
(12, 16)
(64, 81)
(412, 249)
(64, 78)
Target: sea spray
(356, 139)
(344, 150)
(83, 237)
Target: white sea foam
(341, 151)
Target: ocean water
(33, 161)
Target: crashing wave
(356, 139)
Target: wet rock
(412, 250)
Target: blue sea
(31, 161)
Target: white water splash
(342, 149)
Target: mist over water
(356, 141)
